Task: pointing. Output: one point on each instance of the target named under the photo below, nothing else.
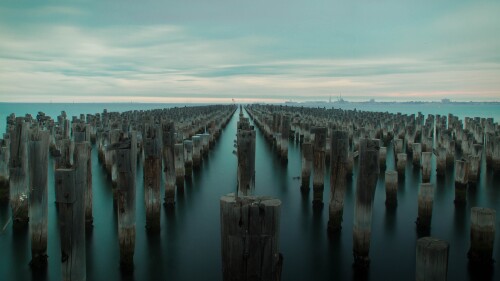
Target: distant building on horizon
(445, 100)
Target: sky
(271, 51)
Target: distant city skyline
(250, 51)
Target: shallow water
(188, 247)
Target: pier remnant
(319, 147)
(19, 172)
(4, 168)
(250, 238)
(391, 188)
(307, 159)
(38, 207)
(246, 161)
(365, 192)
(71, 224)
(425, 202)
(152, 177)
(168, 138)
(126, 153)
(432, 259)
(338, 170)
(426, 166)
(461, 180)
(482, 236)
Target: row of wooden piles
(339, 136)
(249, 224)
(176, 139)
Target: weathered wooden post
(319, 165)
(475, 163)
(426, 166)
(246, 161)
(391, 188)
(425, 201)
(307, 158)
(196, 151)
(179, 165)
(114, 136)
(38, 207)
(71, 224)
(18, 173)
(152, 177)
(383, 158)
(365, 192)
(250, 238)
(398, 147)
(63, 159)
(482, 236)
(126, 152)
(450, 152)
(494, 153)
(285, 135)
(81, 135)
(338, 171)
(168, 138)
(401, 164)
(205, 143)
(188, 157)
(432, 259)
(4, 168)
(417, 151)
(440, 153)
(461, 180)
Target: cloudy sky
(266, 50)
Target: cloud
(69, 61)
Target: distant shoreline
(284, 103)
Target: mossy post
(365, 192)
(38, 207)
(338, 171)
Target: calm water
(188, 247)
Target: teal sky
(199, 50)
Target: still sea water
(188, 247)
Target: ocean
(188, 246)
